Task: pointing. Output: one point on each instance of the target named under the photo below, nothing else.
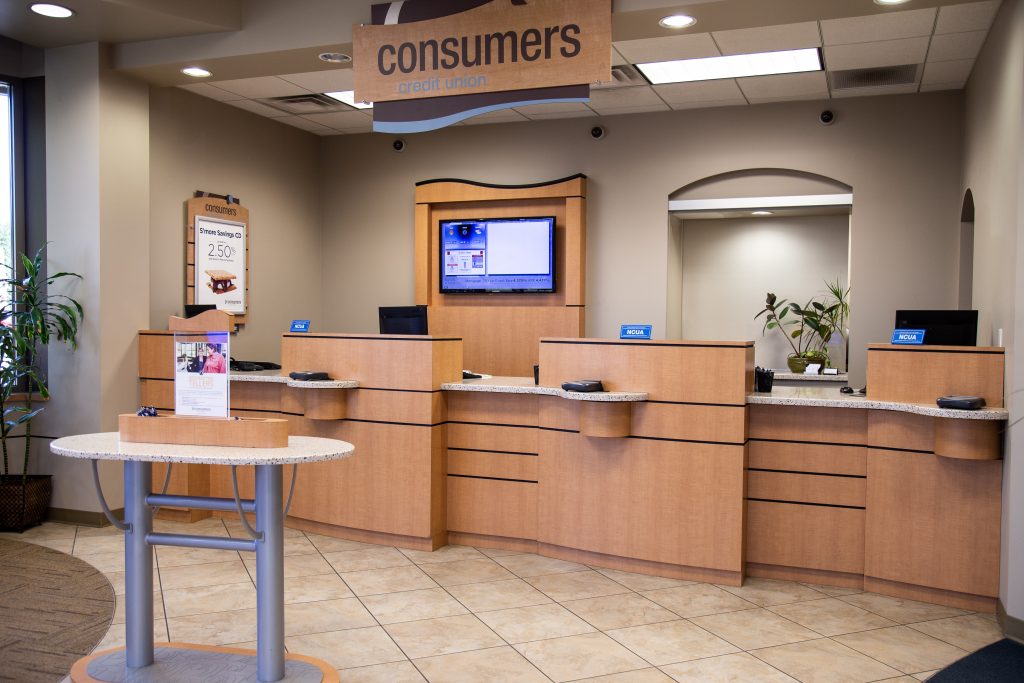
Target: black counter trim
(477, 183)
(157, 379)
(491, 424)
(487, 450)
(901, 450)
(812, 443)
(400, 424)
(713, 443)
(407, 338)
(696, 345)
(697, 403)
(559, 429)
(795, 502)
(473, 476)
(923, 348)
(813, 474)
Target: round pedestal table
(139, 661)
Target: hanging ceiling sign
(426, 64)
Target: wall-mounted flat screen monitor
(487, 255)
(942, 328)
(402, 319)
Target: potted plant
(28, 321)
(809, 328)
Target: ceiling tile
(341, 120)
(264, 86)
(808, 86)
(956, 46)
(500, 116)
(710, 104)
(211, 91)
(886, 26)
(975, 16)
(640, 109)
(944, 86)
(612, 98)
(681, 95)
(746, 41)
(947, 72)
(332, 80)
(304, 124)
(667, 48)
(868, 55)
(257, 108)
(879, 90)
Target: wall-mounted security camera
(398, 145)
(597, 132)
(827, 117)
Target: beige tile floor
(463, 614)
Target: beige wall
(97, 159)
(198, 144)
(994, 172)
(901, 155)
(728, 265)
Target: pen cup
(763, 380)
(536, 374)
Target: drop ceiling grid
(943, 41)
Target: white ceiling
(944, 41)
(941, 38)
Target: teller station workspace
(675, 468)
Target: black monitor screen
(945, 328)
(403, 319)
(192, 310)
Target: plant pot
(23, 503)
(797, 364)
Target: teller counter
(676, 470)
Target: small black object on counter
(583, 385)
(308, 376)
(960, 402)
(147, 411)
(763, 379)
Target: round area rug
(54, 609)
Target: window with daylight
(7, 206)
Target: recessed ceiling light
(48, 10)
(196, 72)
(349, 98)
(762, 213)
(677, 21)
(733, 66)
(890, 2)
(335, 57)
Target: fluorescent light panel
(732, 66)
(349, 98)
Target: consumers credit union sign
(426, 64)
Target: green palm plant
(31, 318)
(809, 328)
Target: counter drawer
(811, 424)
(481, 437)
(492, 508)
(807, 457)
(805, 536)
(807, 488)
(495, 465)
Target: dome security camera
(597, 132)
(827, 117)
(398, 145)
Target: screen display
(498, 255)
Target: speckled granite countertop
(275, 377)
(525, 385)
(108, 446)
(830, 397)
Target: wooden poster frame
(207, 205)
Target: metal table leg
(269, 575)
(138, 564)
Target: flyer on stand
(201, 386)
(220, 264)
